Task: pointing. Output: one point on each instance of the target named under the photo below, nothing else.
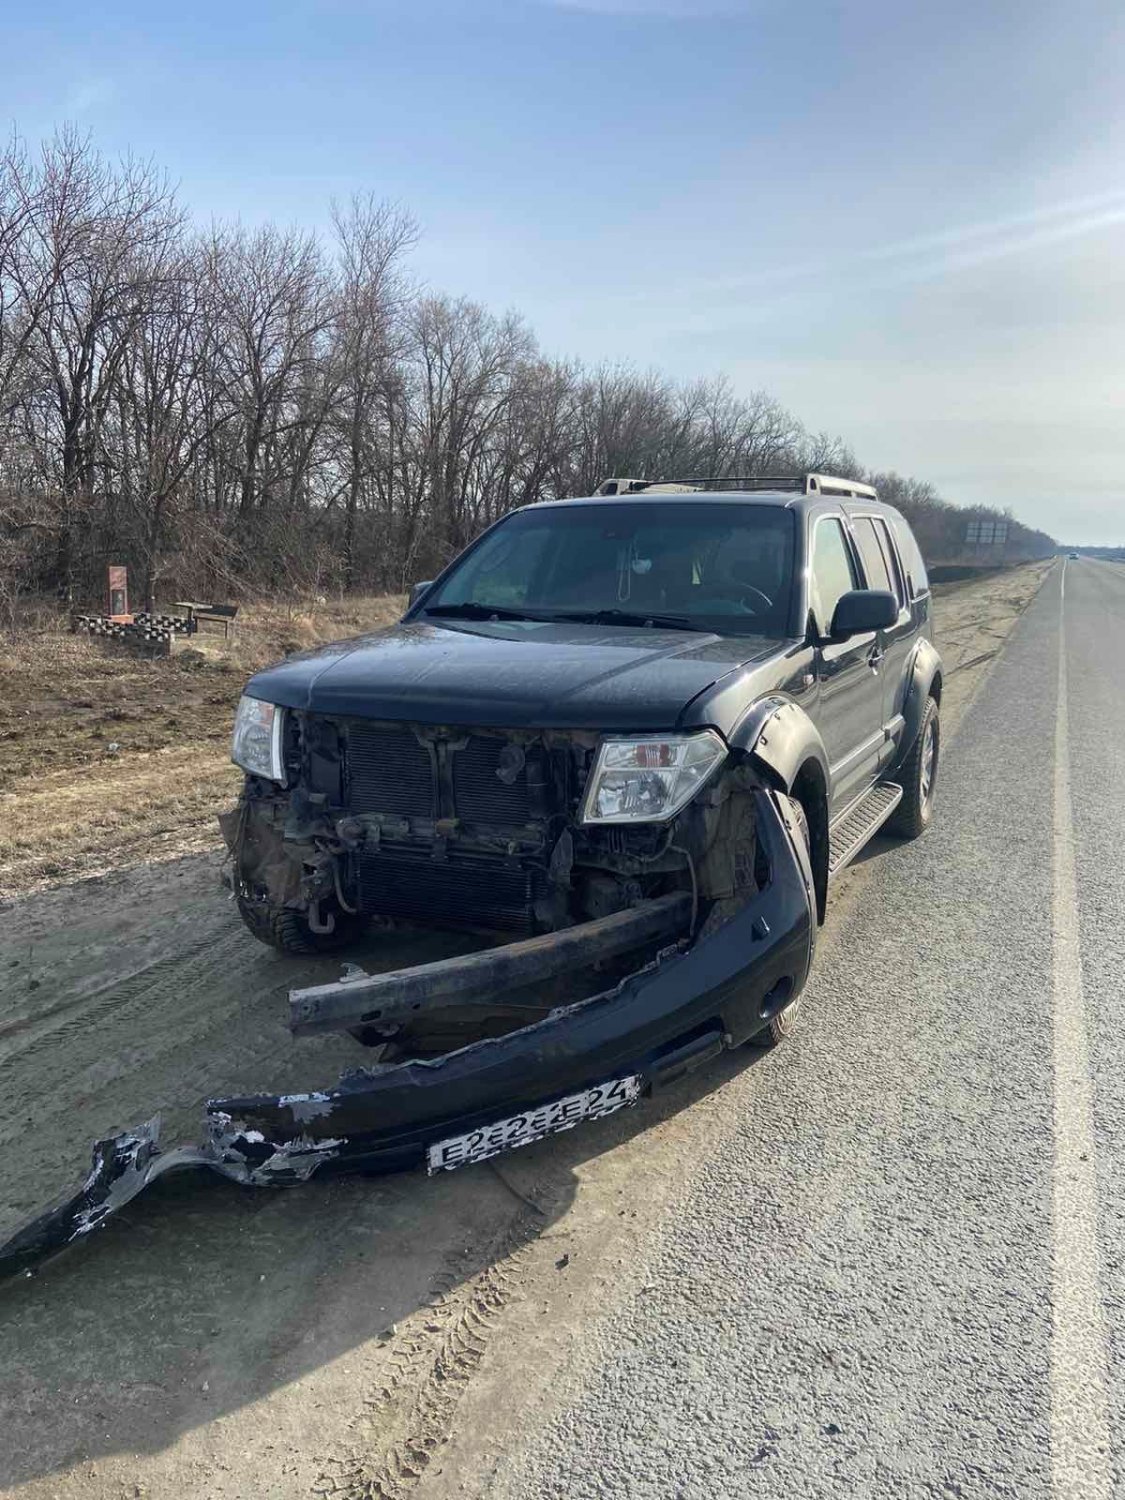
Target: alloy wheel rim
(929, 761)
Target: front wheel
(289, 931)
(918, 778)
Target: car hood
(512, 674)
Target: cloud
(919, 258)
(961, 248)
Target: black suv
(635, 735)
(625, 743)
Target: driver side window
(833, 573)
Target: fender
(925, 678)
(781, 739)
(779, 735)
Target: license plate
(532, 1125)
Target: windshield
(721, 567)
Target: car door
(882, 571)
(849, 712)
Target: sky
(904, 220)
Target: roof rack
(800, 484)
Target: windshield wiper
(630, 617)
(472, 610)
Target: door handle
(875, 657)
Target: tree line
(239, 411)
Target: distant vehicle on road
(636, 735)
(1072, 554)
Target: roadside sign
(117, 590)
(986, 533)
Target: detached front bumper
(673, 1014)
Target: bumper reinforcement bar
(360, 998)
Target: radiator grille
(389, 771)
(461, 893)
(479, 795)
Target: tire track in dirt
(51, 1024)
(204, 1017)
(125, 1033)
(113, 813)
(430, 1371)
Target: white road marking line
(1080, 1452)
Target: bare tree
(162, 416)
(275, 309)
(465, 363)
(372, 239)
(95, 256)
(25, 288)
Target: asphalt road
(903, 1273)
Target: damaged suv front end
(649, 901)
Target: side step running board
(864, 818)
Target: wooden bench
(218, 614)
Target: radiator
(390, 770)
(452, 893)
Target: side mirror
(417, 590)
(862, 610)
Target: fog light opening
(777, 998)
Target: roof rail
(829, 484)
(636, 486)
(800, 484)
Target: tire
(783, 1025)
(289, 931)
(918, 778)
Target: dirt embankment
(109, 759)
(344, 1338)
(972, 620)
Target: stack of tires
(172, 624)
(147, 632)
(99, 625)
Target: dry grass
(108, 758)
(269, 631)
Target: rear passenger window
(916, 580)
(874, 563)
(890, 557)
(833, 573)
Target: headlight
(256, 742)
(650, 778)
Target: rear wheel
(289, 931)
(785, 1022)
(918, 778)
